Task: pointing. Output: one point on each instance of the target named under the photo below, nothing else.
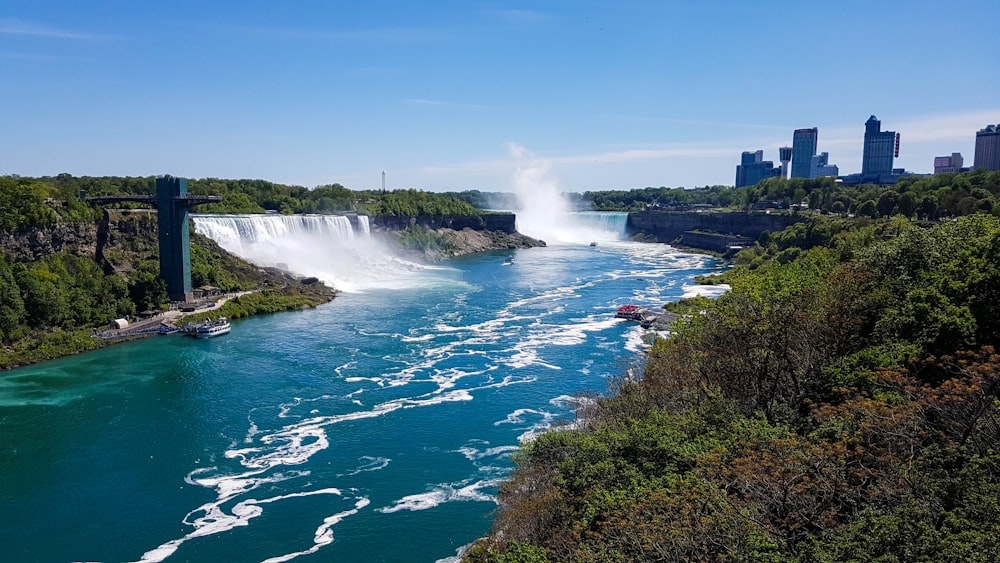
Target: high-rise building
(753, 168)
(785, 154)
(951, 163)
(803, 149)
(880, 148)
(988, 148)
(820, 166)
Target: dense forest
(38, 201)
(840, 403)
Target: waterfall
(575, 228)
(543, 211)
(325, 246)
(363, 227)
(601, 225)
(240, 233)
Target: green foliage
(146, 288)
(840, 403)
(211, 268)
(63, 290)
(22, 204)
(639, 199)
(424, 240)
(40, 346)
(411, 203)
(233, 202)
(933, 197)
(262, 302)
(513, 552)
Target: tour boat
(211, 329)
(631, 312)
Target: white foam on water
(474, 454)
(423, 338)
(542, 420)
(635, 339)
(369, 463)
(324, 533)
(517, 417)
(572, 401)
(463, 491)
(216, 521)
(294, 445)
(710, 291)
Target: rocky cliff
(500, 222)
(447, 236)
(666, 226)
(36, 242)
(118, 229)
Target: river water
(374, 428)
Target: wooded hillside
(840, 403)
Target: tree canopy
(839, 403)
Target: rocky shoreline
(469, 241)
(451, 243)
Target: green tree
(867, 209)
(12, 312)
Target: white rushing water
(544, 213)
(325, 246)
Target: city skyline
(457, 95)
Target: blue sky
(453, 95)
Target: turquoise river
(377, 427)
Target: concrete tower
(175, 239)
(785, 154)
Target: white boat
(211, 329)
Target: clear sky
(445, 95)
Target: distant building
(879, 150)
(820, 166)
(953, 163)
(753, 168)
(803, 149)
(988, 148)
(785, 154)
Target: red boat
(631, 312)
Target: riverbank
(43, 346)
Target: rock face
(502, 222)
(119, 228)
(36, 242)
(667, 226)
(455, 235)
(468, 241)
